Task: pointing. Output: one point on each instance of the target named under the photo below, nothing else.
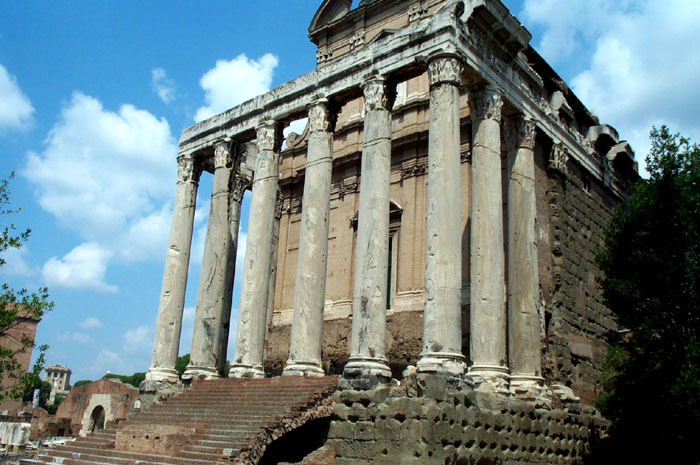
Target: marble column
(252, 314)
(523, 279)
(310, 285)
(216, 278)
(442, 317)
(368, 340)
(177, 259)
(488, 311)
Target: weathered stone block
(388, 429)
(341, 430)
(364, 431)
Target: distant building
(12, 339)
(58, 376)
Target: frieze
(323, 55)
(445, 69)
(417, 169)
(486, 103)
(188, 169)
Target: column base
(299, 368)
(529, 388)
(162, 375)
(367, 366)
(195, 372)
(445, 363)
(246, 371)
(490, 378)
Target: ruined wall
(114, 396)
(426, 420)
(12, 339)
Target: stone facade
(439, 215)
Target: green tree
(134, 379)
(14, 381)
(82, 382)
(651, 262)
(181, 364)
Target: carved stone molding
(188, 169)
(222, 155)
(357, 40)
(417, 12)
(486, 103)
(323, 55)
(445, 69)
(319, 116)
(374, 90)
(238, 188)
(558, 159)
(279, 202)
(519, 132)
(269, 135)
(411, 171)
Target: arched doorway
(97, 419)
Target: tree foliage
(134, 379)
(651, 262)
(14, 381)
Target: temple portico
(412, 189)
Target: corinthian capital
(269, 135)
(222, 155)
(519, 132)
(319, 116)
(445, 69)
(374, 90)
(188, 169)
(486, 103)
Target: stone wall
(12, 339)
(573, 210)
(430, 420)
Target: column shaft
(442, 327)
(252, 315)
(216, 279)
(523, 279)
(310, 286)
(488, 315)
(177, 259)
(368, 341)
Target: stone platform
(213, 422)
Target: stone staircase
(212, 422)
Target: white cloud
(163, 86)
(138, 340)
(78, 337)
(15, 108)
(109, 177)
(637, 63)
(232, 82)
(106, 360)
(83, 268)
(91, 323)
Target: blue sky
(94, 95)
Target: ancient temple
(437, 218)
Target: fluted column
(523, 279)
(310, 285)
(177, 259)
(252, 314)
(442, 327)
(216, 278)
(368, 341)
(488, 312)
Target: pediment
(329, 11)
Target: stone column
(488, 313)
(442, 327)
(216, 279)
(310, 285)
(368, 341)
(252, 314)
(236, 192)
(177, 259)
(523, 279)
